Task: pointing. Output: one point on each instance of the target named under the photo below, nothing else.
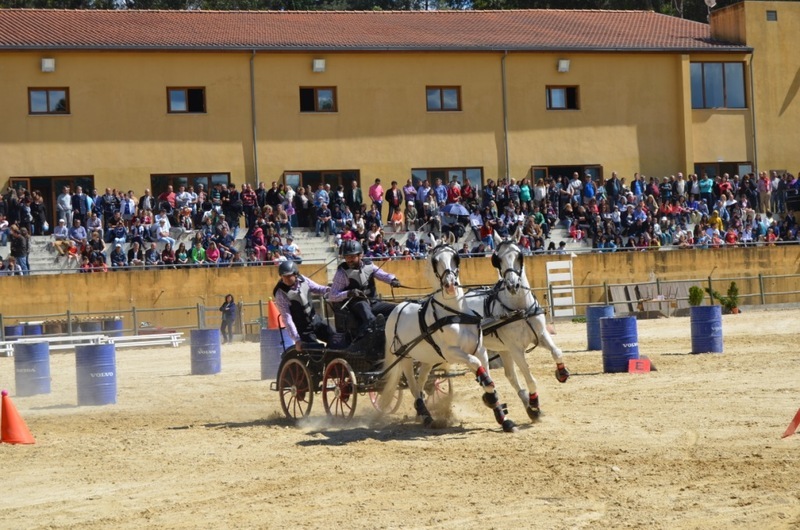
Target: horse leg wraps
(485, 380)
(422, 411)
(562, 374)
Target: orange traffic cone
(790, 430)
(273, 316)
(13, 429)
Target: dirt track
(694, 445)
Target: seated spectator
(225, 242)
(258, 244)
(412, 216)
(212, 253)
(12, 268)
(236, 259)
(96, 247)
(185, 220)
(181, 255)
(139, 233)
(412, 245)
(85, 265)
(163, 232)
(282, 220)
(291, 250)
(94, 224)
(197, 256)
(398, 220)
(324, 220)
(117, 257)
(78, 234)
(73, 254)
(119, 235)
(60, 238)
(152, 257)
(135, 255)
(98, 265)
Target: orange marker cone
(792, 426)
(13, 429)
(273, 316)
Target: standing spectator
(20, 247)
(376, 195)
(81, 205)
(39, 214)
(127, 208)
(409, 193)
(64, 206)
(147, 201)
(228, 310)
(394, 199)
(354, 198)
(440, 192)
(273, 196)
(168, 197)
(249, 204)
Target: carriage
(341, 372)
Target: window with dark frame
(460, 174)
(182, 100)
(772, 16)
(562, 98)
(48, 100)
(318, 99)
(718, 85)
(159, 182)
(443, 98)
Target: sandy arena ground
(696, 444)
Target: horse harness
(456, 317)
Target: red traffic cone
(790, 430)
(273, 316)
(13, 429)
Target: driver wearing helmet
(355, 280)
(293, 298)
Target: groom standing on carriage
(354, 288)
(293, 298)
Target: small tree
(696, 295)
(730, 302)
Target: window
(772, 16)
(48, 101)
(314, 178)
(559, 172)
(440, 98)
(562, 98)
(159, 183)
(717, 85)
(318, 99)
(713, 169)
(186, 100)
(460, 174)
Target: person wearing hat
(354, 287)
(117, 257)
(61, 238)
(293, 298)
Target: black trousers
(319, 329)
(367, 310)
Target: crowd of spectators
(608, 215)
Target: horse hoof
(562, 374)
(509, 426)
(427, 421)
(489, 399)
(534, 414)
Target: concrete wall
(111, 292)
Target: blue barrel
(206, 352)
(32, 329)
(706, 321)
(32, 368)
(14, 332)
(92, 326)
(96, 366)
(593, 315)
(273, 343)
(113, 326)
(620, 343)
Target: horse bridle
(496, 258)
(456, 259)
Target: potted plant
(696, 295)
(729, 302)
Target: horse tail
(392, 369)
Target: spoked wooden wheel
(394, 404)
(339, 387)
(439, 390)
(294, 387)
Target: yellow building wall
(119, 129)
(776, 74)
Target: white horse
(440, 330)
(514, 321)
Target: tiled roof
(554, 30)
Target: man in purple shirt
(293, 298)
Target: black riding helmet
(287, 267)
(351, 248)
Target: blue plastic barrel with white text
(32, 368)
(273, 342)
(706, 323)
(206, 352)
(113, 326)
(593, 315)
(14, 332)
(96, 366)
(33, 329)
(620, 343)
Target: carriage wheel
(439, 391)
(394, 404)
(339, 390)
(294, 387)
